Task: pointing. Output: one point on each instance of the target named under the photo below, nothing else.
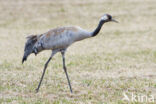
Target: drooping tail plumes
(31, 40)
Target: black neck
(97, 30)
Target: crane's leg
(45, 67)
(65, 70)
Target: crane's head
(107, 18)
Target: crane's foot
(37, 90)
(71, 91)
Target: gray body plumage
(55, 39)
(61, 38)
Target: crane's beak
(113, 20)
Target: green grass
(122, 58)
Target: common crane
(58, 40)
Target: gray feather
(31, 40)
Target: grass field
(122, 58)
